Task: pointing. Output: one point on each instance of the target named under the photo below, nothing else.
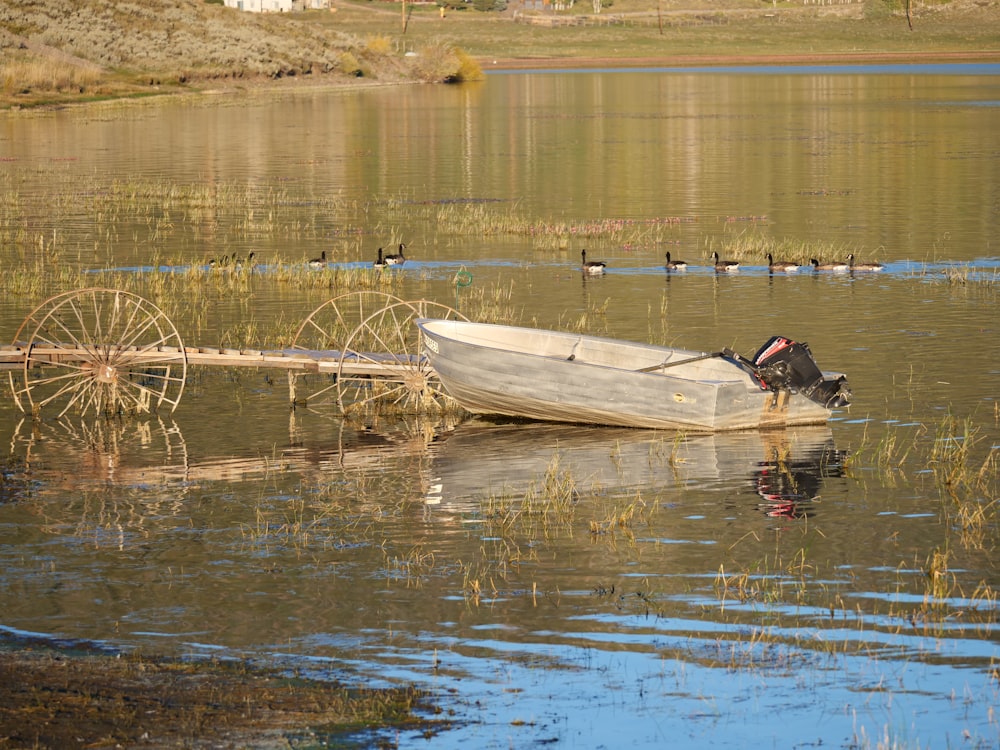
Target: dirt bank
(52, 699)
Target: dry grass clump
(468, 68)
(349, 65)
(378, 45)
(23, 76)
(442, 63)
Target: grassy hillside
(54, 50)
(65, 50)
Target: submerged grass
(49, 700)
(548, 506)
(964, 482)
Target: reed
(547, 508)
(413, 565)
(940, 582)
(48, 76)
(888, 453)
(492, 219)
(489, 304)
(618, 515)
(951, 448)
(971, 502)
(321, 514)
(767, 581)
(749, 245)
(965, 276)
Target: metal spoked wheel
(382, 368)
(100, 351)
(326, 330)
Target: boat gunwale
(658, 372)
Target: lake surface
(579, 586)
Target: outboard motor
(783, 364)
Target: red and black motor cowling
(783, 364)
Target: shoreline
(698, 61)
(252, 86)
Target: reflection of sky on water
(641, 681)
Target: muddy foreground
(50, 699)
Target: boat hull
(566, 377)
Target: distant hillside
(166, 36)
(67, 49)
(55, 51)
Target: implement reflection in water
(463, 463)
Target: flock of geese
(392, 259)
(596, 267)
(383, 259)
(232, 261)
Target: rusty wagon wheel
(325, 330)
(382, 367)
(101, 351)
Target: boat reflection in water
(444, 463)
(788, 484)
(785, 468)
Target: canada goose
(239, 265)
(863, 266)
(676, 265)
(781, 266)
(396, 259)
(725, 265)
(591, 266)
(380, 261)
(320, 261)
(835, 266)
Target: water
(737, 590)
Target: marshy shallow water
(576, 585)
